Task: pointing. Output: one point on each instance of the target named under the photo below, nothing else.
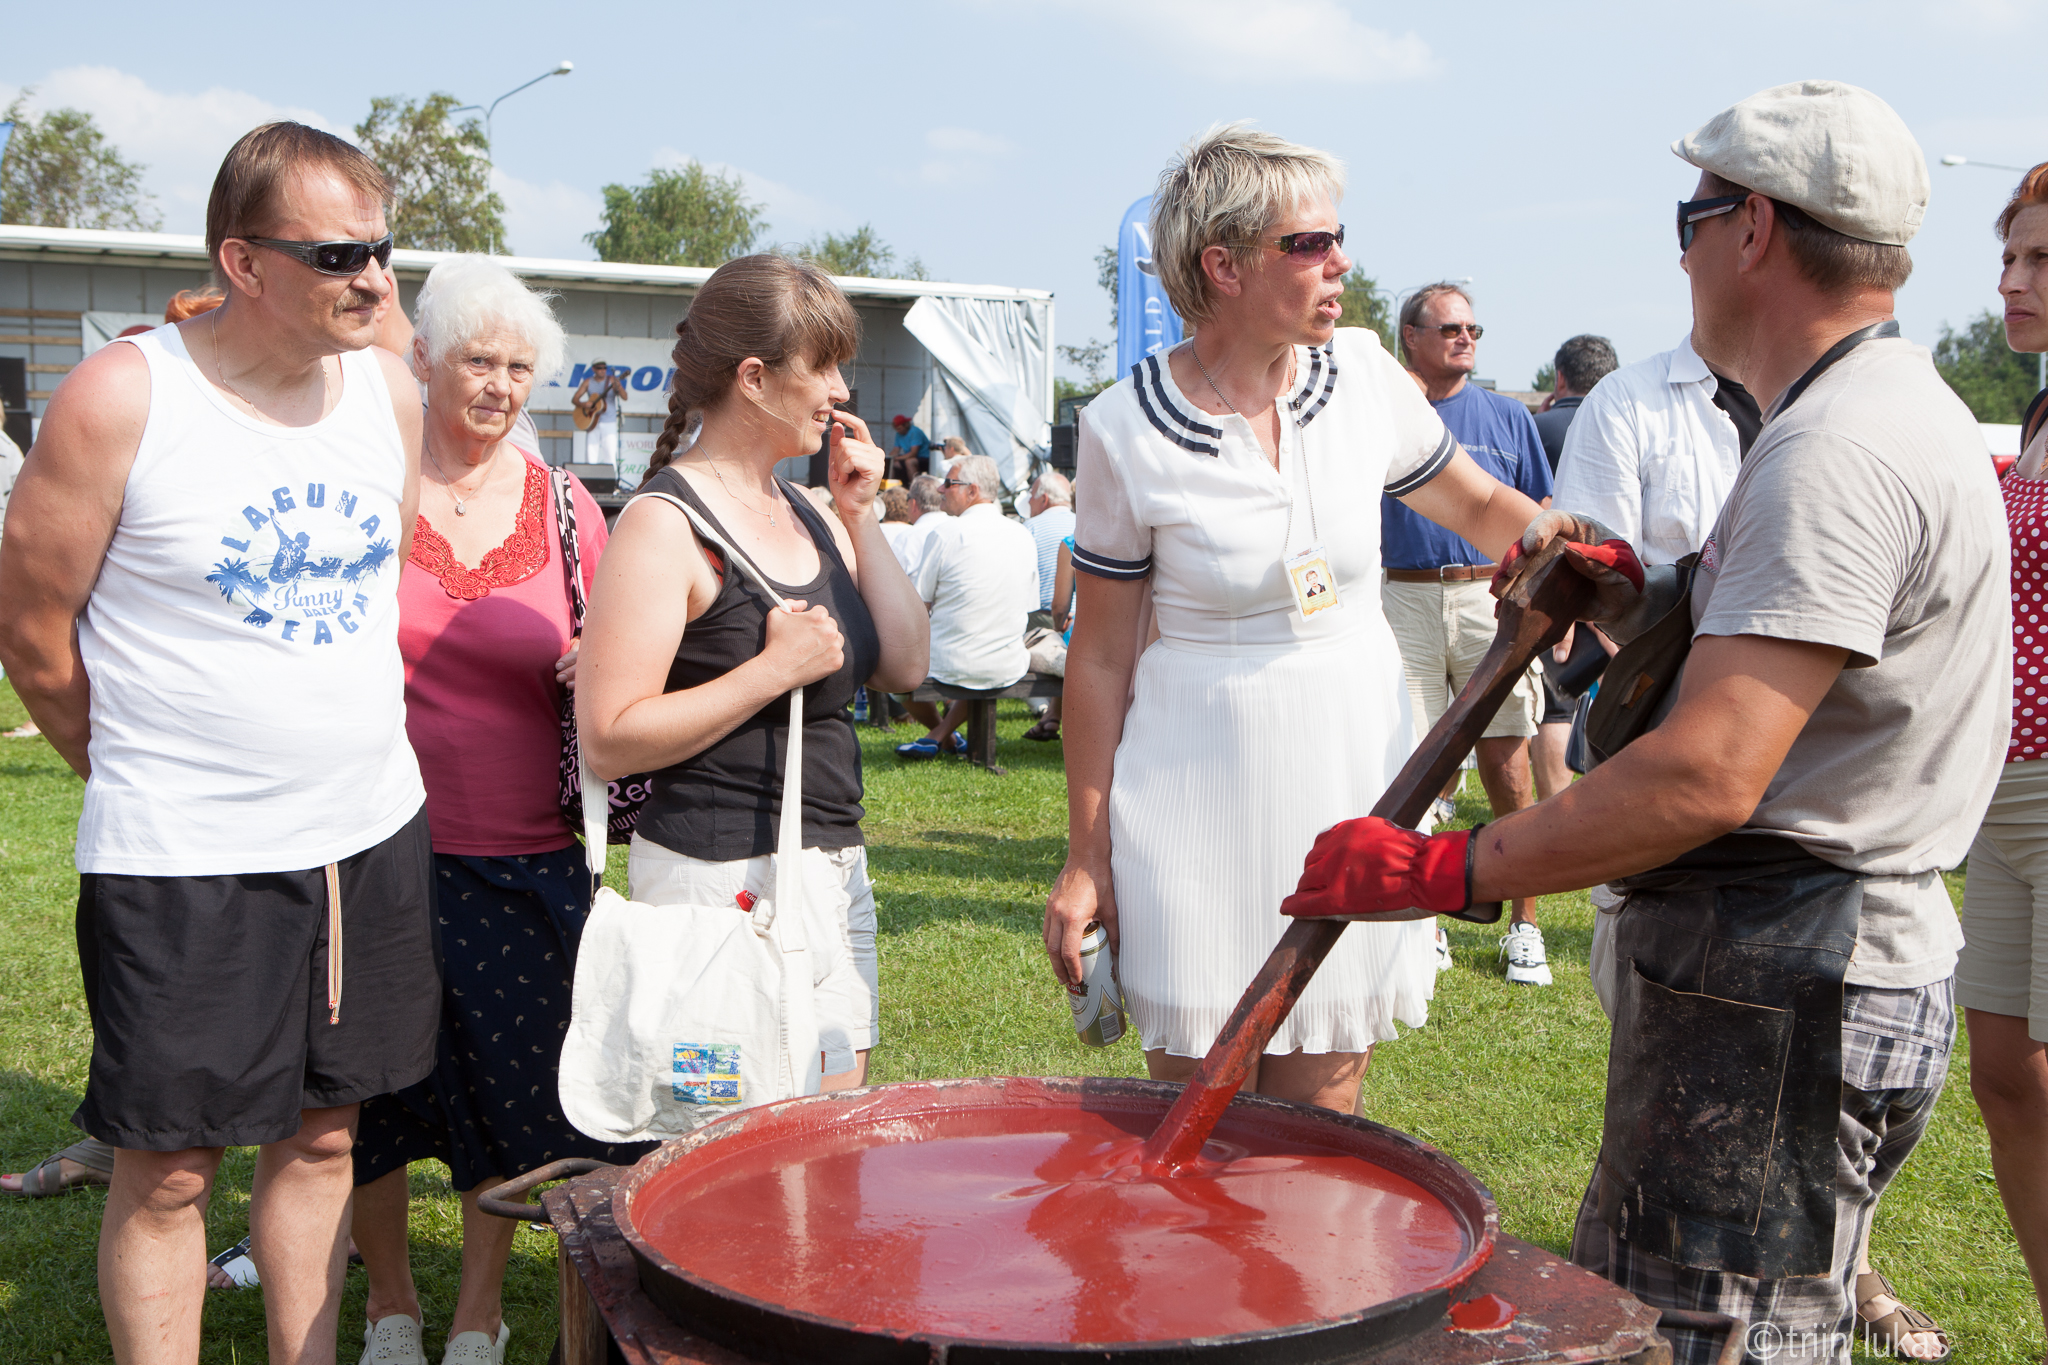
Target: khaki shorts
(839, 905)
(2003, 968)
(1444, 630)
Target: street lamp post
(562, 68)
(1953, 160)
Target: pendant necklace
(770, 513)
(1301, 450)
(461, 499)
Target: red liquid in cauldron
(1049, 1235)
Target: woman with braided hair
(685, 664)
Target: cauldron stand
(1566, 1314)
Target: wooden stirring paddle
(1533, 617)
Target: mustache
(356, 298)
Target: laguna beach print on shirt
(300, 562)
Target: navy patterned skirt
(509, 928)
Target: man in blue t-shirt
(913, 449)
(1436, 594)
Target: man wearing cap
(600, 393)
(1785, 1006)
(913, 449)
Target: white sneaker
(1442, 811)
(477, 1348)
(1522, 946)
(1443, 950)
(393, 1341)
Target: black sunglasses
(1310, 248)
(1691, 211)
(332, 258)
(1449, 330)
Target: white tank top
(248, 699)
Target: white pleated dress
(1250, 729)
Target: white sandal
(393, 1341)
(477, 1348)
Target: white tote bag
(685, 1013)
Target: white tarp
(97, 329)
(991, 358)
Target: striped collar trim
(1317, 385)
(1167, 417)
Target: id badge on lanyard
(1308, 572)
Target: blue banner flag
(6, 132)
(1145, 322)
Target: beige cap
(1834, 150)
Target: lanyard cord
(1284, 423)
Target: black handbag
(624, 795)
(1641, 682)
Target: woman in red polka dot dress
(2002, 977)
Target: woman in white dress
(1201, 767)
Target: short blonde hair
(1227, 188)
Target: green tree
(440, 173)
(1546, 378)
(1367, 305)
(59, 171)
(860, 253)
(1993, 379)
(687, 216)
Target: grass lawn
(1506, 1079)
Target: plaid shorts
(1895, 1053)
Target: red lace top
(481, 705)
(2026, 513)
(519, 558)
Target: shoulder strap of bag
(2037, 413)
(789, 880)
(572, 562)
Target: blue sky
(1523, 145)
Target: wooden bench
(981, 709)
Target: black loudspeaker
(13, 383)
(1063, 448)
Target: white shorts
(840, 919)
(2003, 968)
(1444, 630)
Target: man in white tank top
(198, 605)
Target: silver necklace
(770, 513)
(1301, 449)
(213, 325)
(461, 501)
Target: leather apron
(1724, 1075)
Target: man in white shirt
(979, 578)
(1653, 452)
(927, 514)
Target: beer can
(1098, 1004)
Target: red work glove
(1369, 867)
(1592, 549)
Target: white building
(973, 361)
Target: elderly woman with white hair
(485, 628)
(1234, 487)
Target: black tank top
(724, 803)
